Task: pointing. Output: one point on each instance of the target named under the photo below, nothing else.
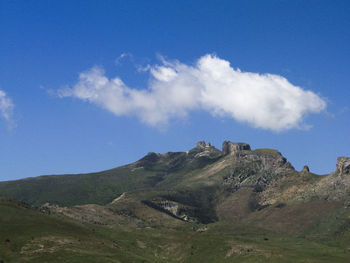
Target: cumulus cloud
(6, 108)
(174, 89)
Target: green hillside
(103, 187)
(203, 205)
(28, 235)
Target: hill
(245, 205)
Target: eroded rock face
(172, 208)
(256, 168)
(265, 160)
(343, 165)
(231, 148)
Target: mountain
(242, 205)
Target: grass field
(28, 235)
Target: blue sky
(183, 78)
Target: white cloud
(264, 101)
(6, 108)
(123, 56)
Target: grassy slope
(27, 235)
(103, 187)
(66, 190)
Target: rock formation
(231, 148)
(202, 144)
(305, 169)
(343, 165)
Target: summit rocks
(232, 148)
(343, 165)
(202, 144)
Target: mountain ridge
(155, 169)
(223, 195)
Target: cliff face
(266, 159)
(253, 168)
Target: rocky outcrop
(204, 153)
(202, 144)
(266, 159)
(257, 168)
(92, 213)
(331, 187)
(343, 166)
(198, 157)
(204, 149)
(172, 208)
(232, 148)
(305, 169)
(263, 159)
